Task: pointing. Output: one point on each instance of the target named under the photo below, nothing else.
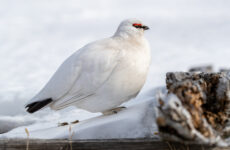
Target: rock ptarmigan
(101, 75)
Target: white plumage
(101, 75)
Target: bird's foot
(75, 122)
(63, 124)
(113, 111)
(66, 123)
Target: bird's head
(131, 27)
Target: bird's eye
(140, 26)
(137, 25)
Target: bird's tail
(35, 106)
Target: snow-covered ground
(134, 122)
(37, 36)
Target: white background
(37, 36)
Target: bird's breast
(130, 74)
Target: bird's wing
(60, 82)
(80, 75)
(97, 64)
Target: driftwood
(207, 69)
(197, 109)
(116, 144)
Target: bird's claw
(75, 122)
(63, 124)
(113, 111)
(66, 123)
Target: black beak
(145, 27)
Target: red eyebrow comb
(137, 24)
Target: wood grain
(115, 144)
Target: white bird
(101, 75)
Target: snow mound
(137, 121)
(8, 123)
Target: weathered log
(116, 144)
(198, 107)
(206, 69)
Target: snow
(7, 123)
(134, 122)
(37, 36)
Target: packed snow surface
(134, 122)
(37, 36)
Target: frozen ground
(36, 36)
